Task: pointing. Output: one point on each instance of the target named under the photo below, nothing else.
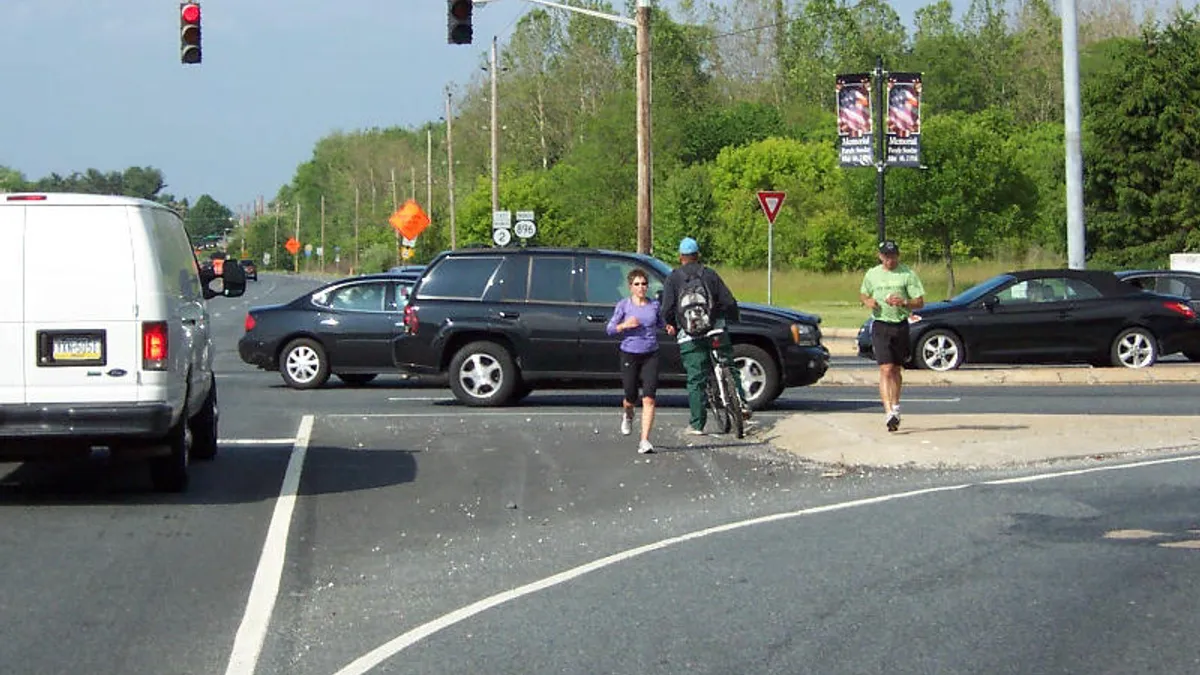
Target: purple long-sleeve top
(644, 338)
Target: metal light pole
(450, 168)
(1074, 146)
(642, 24)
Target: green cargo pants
(697, 362)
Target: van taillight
(249, 322)
(154, 345)
(410, 320)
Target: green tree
(207, 217)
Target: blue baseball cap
(688, 246)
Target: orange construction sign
(409, 220)
(292, 245)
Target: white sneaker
(626, 424)
(693, 431)
(645, 448)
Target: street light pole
(495, 134)
(642, 25)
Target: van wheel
(759, 374)
(483, 374)
(204, 426)
(356, 379)
(303, 364)
(170, 472)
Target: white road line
(398, 644)
(256, 441)
(247, 645)
(420, 398)
(952, 399)
(516, 414)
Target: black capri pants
(643, 367)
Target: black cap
(889, 247)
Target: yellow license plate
(76, 349)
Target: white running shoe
(626, 424)
(645, 448)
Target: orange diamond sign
(292, 245)
(409, 220)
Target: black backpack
(695, 305)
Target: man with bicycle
(695, 301)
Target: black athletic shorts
(890, 342)
(643, 367)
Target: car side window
(513, 280)
(551, 279)
(606, 280)
(403, 288)
(1020, 293)
(1173, 287)
(1078, 289)
(358, 297)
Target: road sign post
(770, 201)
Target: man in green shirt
(891, 291)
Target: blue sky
(98, 83)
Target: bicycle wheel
(734, 409)
(716, 409)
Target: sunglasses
(639, 283)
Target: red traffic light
(191, 13)
(461, 9)
(189, 32)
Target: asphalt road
(418, 536)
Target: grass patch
(834, 296)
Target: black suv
(499, 322)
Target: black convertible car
(1050, 316)
(344, 328)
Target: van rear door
(82, 330)
(12, 309)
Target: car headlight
(805, 334)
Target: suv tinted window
(550, 279)
(513, 279)
(606, 283)
(465, 278)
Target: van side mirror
(231, 283)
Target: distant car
(1049, 316)
(344, 328)
(250, 268)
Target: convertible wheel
(939, 350)
(483, 374)
(1135, 348)
(303, 364)
(759, 374)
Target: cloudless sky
(98, 83)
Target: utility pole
(296, 258)
(321, 252)
(356, 227)
(881, 163)
(1074, 147)
(429, 169)
(395, 207)
(450, 168)
(275, 247)
(495, 132)
(645, 208)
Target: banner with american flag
(855, 129)
(904, 119)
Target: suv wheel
(483, 374)
(303, 364)
(759, 374)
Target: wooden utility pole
(321, 252)
(429, 170)
(492, 67)
(395, 207)
(450, 168)
(355, 228)
(645, 214)
(296, 258)
(275, 246)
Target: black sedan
(344, 328)
(250, 267)
(1050, 316)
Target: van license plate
(76, 348)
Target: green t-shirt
(879, 283)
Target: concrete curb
(1033, 375)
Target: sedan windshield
(981, 289)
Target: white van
(104, 334)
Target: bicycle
(721, 392)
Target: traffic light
(189, 32)
(458, 30)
